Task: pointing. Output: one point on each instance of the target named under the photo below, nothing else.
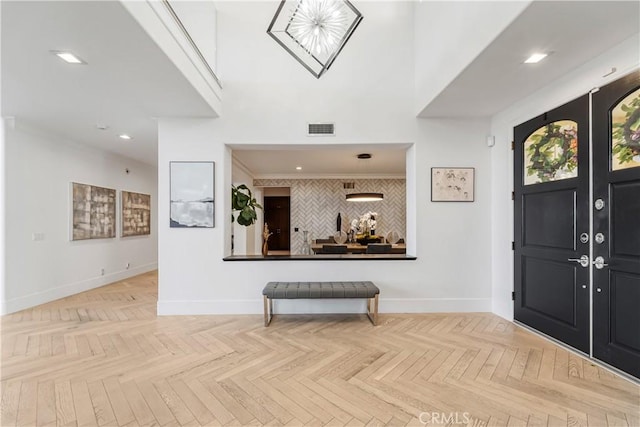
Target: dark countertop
(328, 257)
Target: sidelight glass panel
(551, 153)
(625, 132)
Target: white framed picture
(452, 184)
(192, 194)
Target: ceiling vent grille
(348, 185)
(321, 129)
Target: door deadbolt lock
(599, 263)
(599, 204)
(599, 238)
(583, 260)
(584, 238)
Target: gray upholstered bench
(315, 290)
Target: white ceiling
(323, 160)
(128, 80)
(575, 31)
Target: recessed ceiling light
(298, 168)
(68, 57)
(536, 57)
(125, 136)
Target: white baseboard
(303, 306)
(32, 300)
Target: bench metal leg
(268, 310)
(373, 316)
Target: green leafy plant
(626, 134)
(242, 201)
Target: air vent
(348, 185)
(321, 129)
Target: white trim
(34, 299)
(305, 306)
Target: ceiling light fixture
(364, 197)
(125, 136)
(68, 57)
(298, 168)
(535, 58)
(314, 31)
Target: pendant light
(314, 31)
(364, 197)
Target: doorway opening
(277, 214)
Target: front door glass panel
(551, 153)
(625, 132)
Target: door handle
(599, 263)
(583, 260)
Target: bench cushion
(304, 290)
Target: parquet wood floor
(103, 358)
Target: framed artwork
(192, 195)
(452, 184)
(136, 214)
(93, 212)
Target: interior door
(616, 276)
(551, 244)
(277, 215)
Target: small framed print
(452, 184)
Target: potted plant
(243, 201)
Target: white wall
(625, 57)
(3, 241)
(39, 169)
(199, 19)
(446, 43)
(195, 280)
(368, 93)
(270, 97)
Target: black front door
(552, 223)
(616, 212)
(277, 215)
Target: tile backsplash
(315, 204)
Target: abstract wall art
(452, 184)
(192, 194)
(136, 214)
(93, 212)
